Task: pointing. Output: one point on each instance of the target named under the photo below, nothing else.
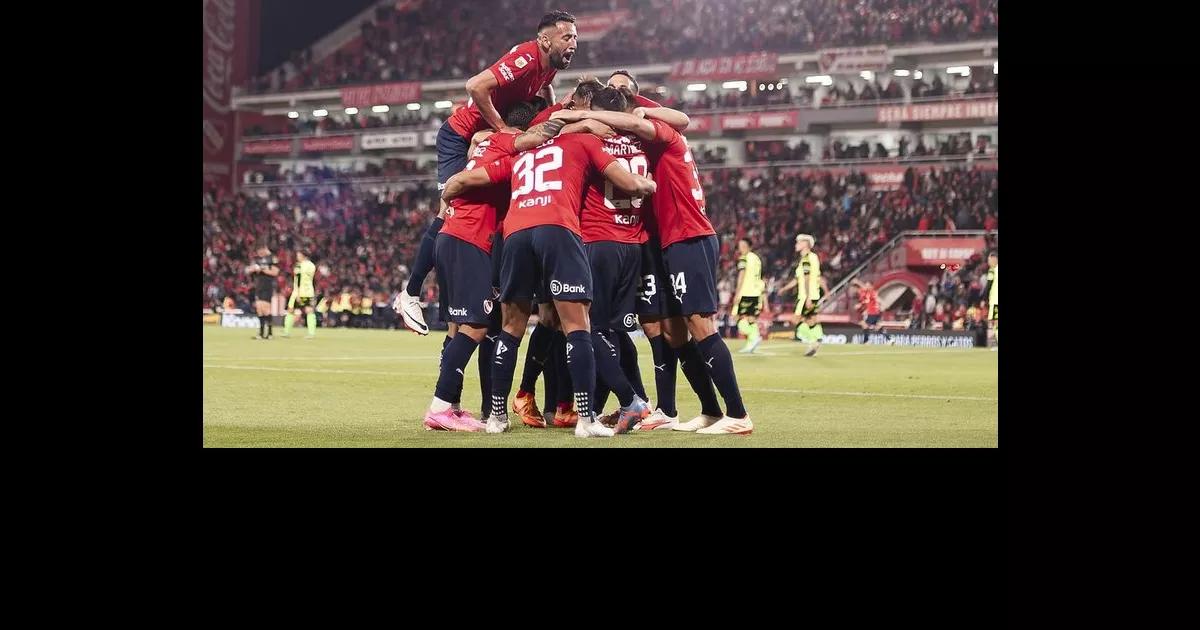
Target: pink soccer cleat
(450, 420)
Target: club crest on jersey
(520, 62)
(487, 307)
(506, 72)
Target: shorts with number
(653, 299)
(749, 306)
(547, 261)
(302, 302)
(464, 294)
(615, 271)
(692, 273)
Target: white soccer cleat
(409, 307)
(699, 422)
(591, 427)
(736, 426)
(658, 421)
(497, 425)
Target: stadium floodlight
(995, 67)
(293, 114)
(960, 70)
(380, 109)
(320, 113)
(412, 107)
(734, 85)
(900, 73)
(350, 111)
(823, 79)
(443, 104)
(918, 74)
(697, 87)
(867, 75)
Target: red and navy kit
(519, 78)
(868, 301)
(473, 217)
(545, 114)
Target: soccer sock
(424, 262)
(445, 342)
(487, 348)
(802, 332)
(564, 392)
(454, 360)
(608, 366)
(754, 334)
(581, 363)
(551, 375)
(817, 333)
(270, 326)
(719, 363)
(311, 320)
(600, 397)
(697, 375)
(628, 354)
(665, 373)
(504, 363)
(288, 322)
(262, 326)
(535, 358)
(744, 327)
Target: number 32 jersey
(548, 181)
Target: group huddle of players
(590, 211)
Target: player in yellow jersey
(809, 291)
(993, 291)
(303, 295)
(750, 295)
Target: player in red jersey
(543, 254)
(868, 304)
(527, 70)
(690, 255)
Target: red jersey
(520, 77)
(545, 114)
(642, 101)
(473, 216)
(868, 301)
(679, 200)
(609, 213)
(548, 181)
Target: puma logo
(460, 372)
(709, 362)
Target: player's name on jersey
(623, 149)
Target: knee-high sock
(719, 364)
(666, 363)
(425, 254)
(581, 363)
(535, 357)
(487, 348)
(311, 320)
(628, 354)
(504, 363)
(454, 361)
(288, 321)
(564, 385)
(697, 375)
(608, 366)
(817, 333)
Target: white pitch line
(867, 394)
(312, 370)
(317, 359)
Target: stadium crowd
(411, 45)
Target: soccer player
(690, 251)
(527, 70)
(993, 292)
(302, 295)
(543, 253)
(868, 303)
(808, 294)
(750, 294)
(265, 270)
(463, 248)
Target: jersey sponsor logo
(520, 62)
(630, 320)
(557, 288)
(544, 200)
(461, 312)
(626, 219)
(506, 72)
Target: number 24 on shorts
(679, 284)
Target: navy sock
(628, 354)
(581, 363)
(551, 375)
(504, 363)
(719, 364)
(563, 390)
(454, 361)
(697, 375)
(600, 397)
(665, 373)
(445, 342)
(608, 366)
(487, 348)
(262, 326)
(535, 357)
(424, 262)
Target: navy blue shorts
(464, 293)
(548, 261)
(872, 320)
(616, 271)
(692, 272)
(451, 153)
(653, 289)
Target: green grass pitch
(370, 388)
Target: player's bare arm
(594, 127)
(480, 87)
(547, 93)
(621, 121)
(673, 117)
(629, 182)
(479, 136)
(538, 134)
(465, 180)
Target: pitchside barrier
(838, 335)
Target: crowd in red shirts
(446, 40)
